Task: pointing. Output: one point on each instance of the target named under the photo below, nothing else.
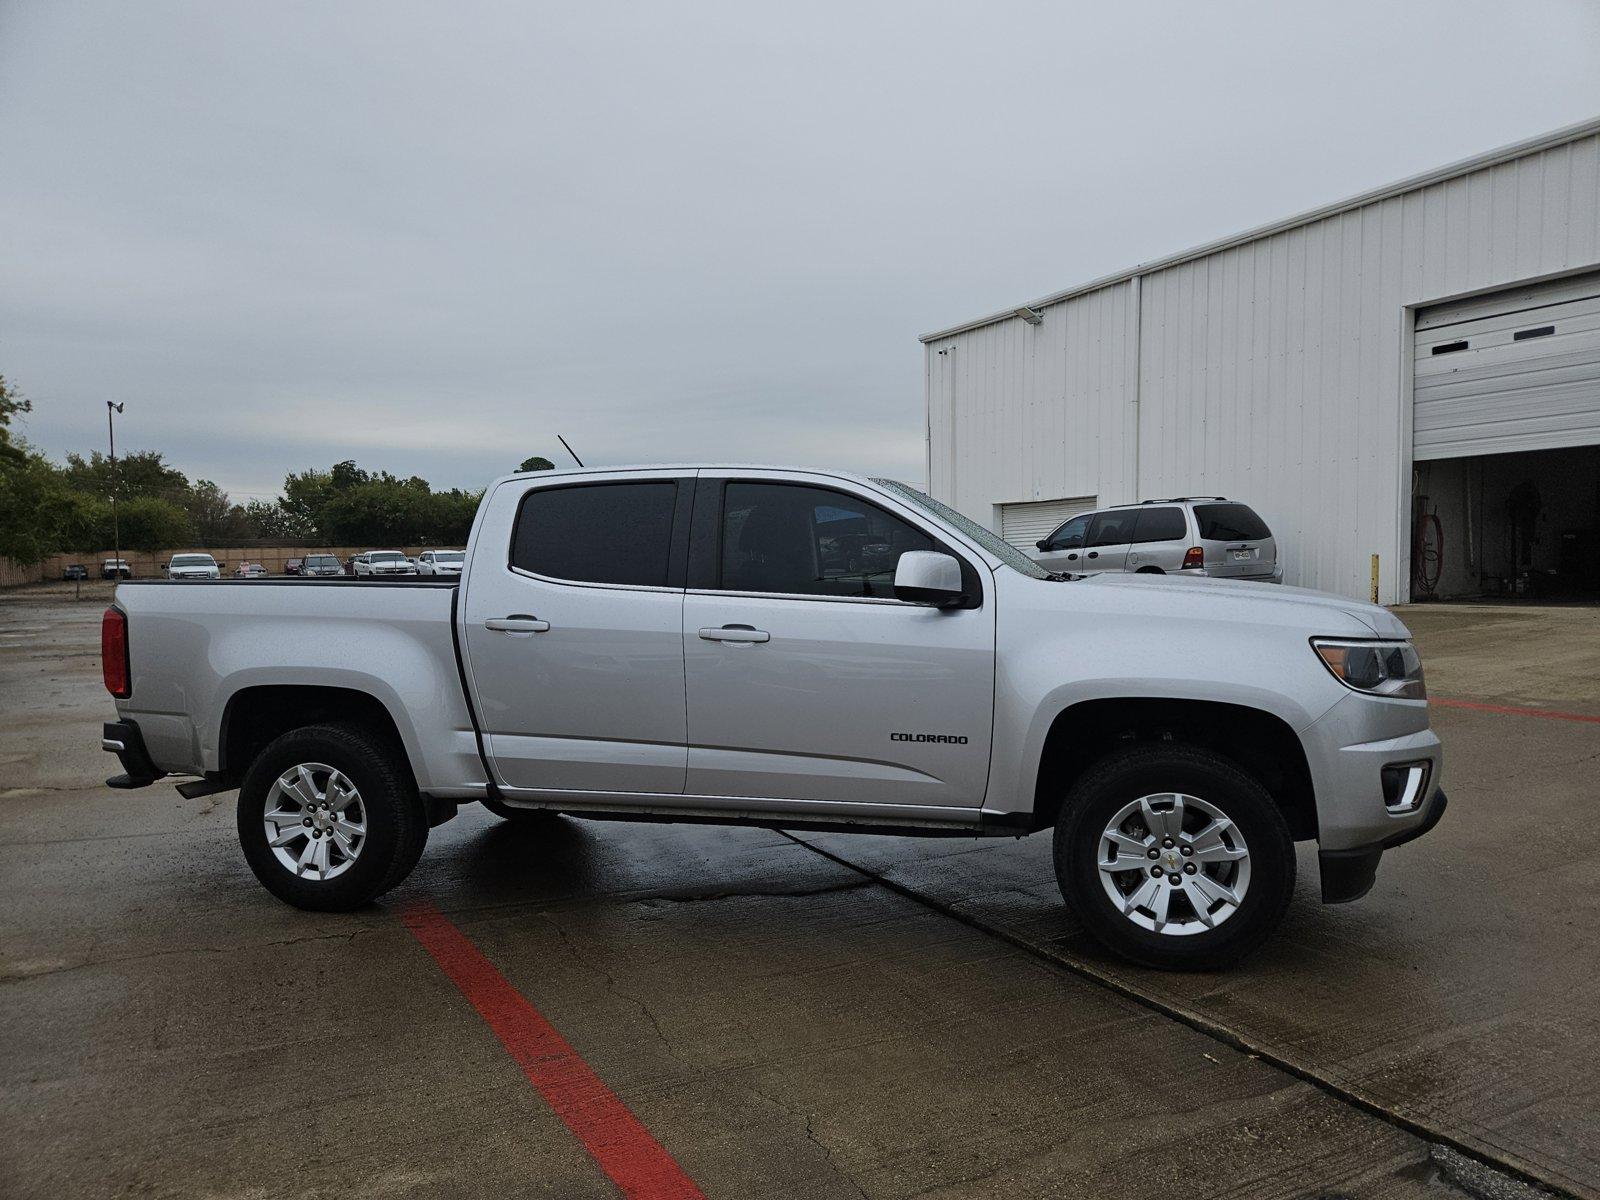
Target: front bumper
(1349, 874)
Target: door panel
(833, 690)
(1106, 547)
(580, 686)
(831, 705)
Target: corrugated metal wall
(1276, 371)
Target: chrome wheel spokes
(316, 823)
(1173, 863)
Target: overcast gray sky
(430, 237)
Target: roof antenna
(569, 449)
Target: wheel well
(1149, 571)
(1258, 742)
(257, 715)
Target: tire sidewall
(1142, 772)
(382, 797)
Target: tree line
(47, 507)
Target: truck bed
(195, 646)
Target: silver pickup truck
(796, 649)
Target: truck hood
(1317, 608)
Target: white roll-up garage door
(1024, 524)
(1515, 371)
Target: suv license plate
(1241, 555)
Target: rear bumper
(1349, 874)
(123, 739)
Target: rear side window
(1161, 525)
(597, 533)
(1230, 523)
(1112, 528)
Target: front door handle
(517, 623)
(735, 633)
(1094, 554)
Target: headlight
(1381, 668)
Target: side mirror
(1043, 543)
(928, 577)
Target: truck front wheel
(1173, 857)
(329, 817)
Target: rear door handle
(1094, 554)
(735, 633)
(516, 623)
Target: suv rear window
(597, 533)
(1230, 523)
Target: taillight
(114, 653)
(1194, 556)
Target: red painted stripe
(1513, 710)
(624, 1149)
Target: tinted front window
(810, 541)
(1161, 525)
(1112, 528)
(599, 533)
(1070, 535)
(1230, 523)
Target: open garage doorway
(1506, 446)
(1508, 526)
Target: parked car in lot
(250, 570)
(317, 566)
(794, 649)
(383, 563)
(292, 566)
(116, 568)
(1207, 536)
(192, 566)
(75, 571)
(440, 562)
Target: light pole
(116, 528)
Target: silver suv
(1186, 535)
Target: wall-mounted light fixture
(1031, 315)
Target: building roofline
(1490, 158)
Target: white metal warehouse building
(1430, 347)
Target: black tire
(1146, 770)
(397, 824)
(522, 816)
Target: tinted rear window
(600, 533)
(1230, 523)
(1161, 525)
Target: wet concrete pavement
(783, 1024)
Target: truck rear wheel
(1173, 857)
(329, 817)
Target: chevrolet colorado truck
(794, 649)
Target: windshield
(193, 560)
(385, 556)
(322, 560)
(1001, 549)
(448, 556)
